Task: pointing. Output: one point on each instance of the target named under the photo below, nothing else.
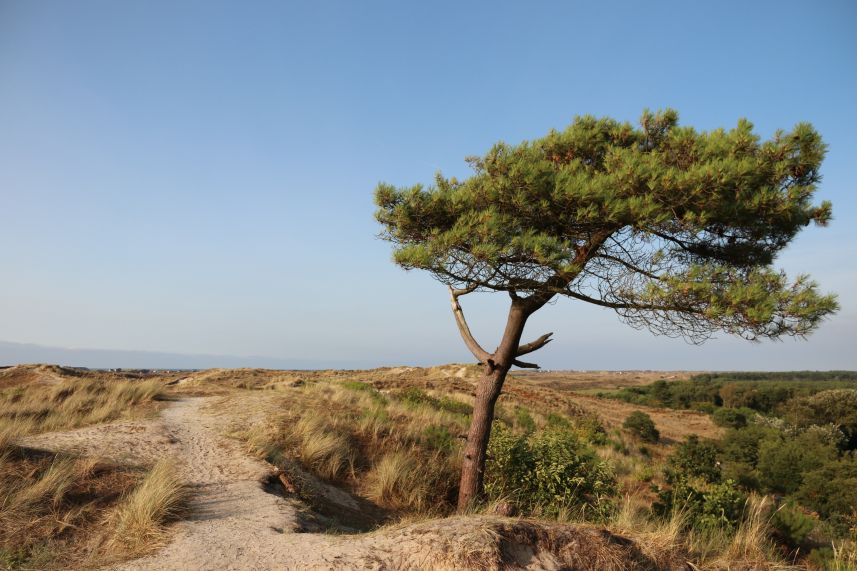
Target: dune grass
(59, 511)
(71, 403)
(137, 523)
(63, 512)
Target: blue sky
(196, 177)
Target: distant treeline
(778, 376)
(761, 392)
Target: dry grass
(401, 457)
(137, 524)
(71, 403)
(57, 510)
(52, 507)
(322, 446)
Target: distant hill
(17, 353)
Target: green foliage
(694, 458)
(524, 420)
(792, 525)
(831, 490)
(547, 471)
(415, 397)
(764, 394)
(789, 376)
(732, 417)
(688, 222)
(641, 425)
(698, 489)
(784, 460)
(558, 421)
(705, 505)
(366, 388)
(438, 437)
(837, 407)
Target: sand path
(233, 522)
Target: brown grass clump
(52, 506)
(137, 523)
(63, 512)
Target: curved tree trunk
(488, 391)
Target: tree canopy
(674, 229)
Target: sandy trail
(233, 522)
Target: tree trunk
(487, 392)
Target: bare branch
(525, 365)
(534, 345)
(481, 354)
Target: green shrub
(694, 458)
(732, 417)
(838, 407)
(558, 421)
(742, 445)
(792, 525)
(365, 388)
(547, 471)
(641, 425)
(415, 397)
(831, 490)
(784, 460)
(704, 505)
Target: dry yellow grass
(70, 403)
(138, 521)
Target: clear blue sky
(197, 177)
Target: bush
(784, 460)
(704, 505)
(438, 437)
(732, 417)
(831, 490)
(694, 458)
(524, 420)
(838, 407)
(546, 471)
(641, 425)
(792, 525)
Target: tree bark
(488, 391)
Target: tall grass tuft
(137, 523)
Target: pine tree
(675, 230)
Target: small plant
(642, 426)
(438, 438)
(367, 388)
(415, 397)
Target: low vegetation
(790, 436)
(72, 402)
(398, 448)
(776, 491)
(60, 511)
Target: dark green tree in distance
(676, 230)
